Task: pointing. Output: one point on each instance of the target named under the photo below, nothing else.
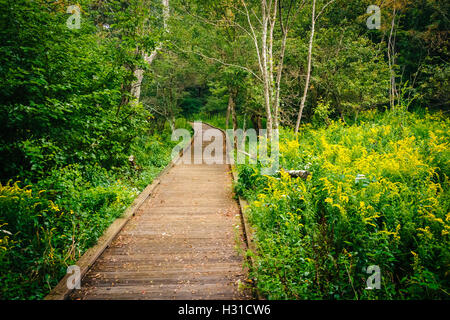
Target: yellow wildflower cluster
(382, 182)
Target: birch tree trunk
(391, 58)
(227, 121)
(278, 88)
(285, 31)
(139, 73)
(265, 65)
(271, 11)
(308, 74)
(278, 80)
(272, 15)
(232, 108)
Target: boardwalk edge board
(248, 230)
(61, 291)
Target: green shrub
(47, 226)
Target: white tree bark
(285, 32)
(139, 73)
(265, 65)
(308, 74)
(271, 71)
(391, 58)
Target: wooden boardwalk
(180, 245)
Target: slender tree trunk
(272, 20)
(136, 86)
(285, 31)
(172, 104)
(172, 122)
(308, 74)
(233, 113)
(270, 10)
(232, 107)
(278, 82)
(264, 55)
(227, 122)
(259, 120)
(244, 129)
(391, 58)
(139, 73)
(265, 66)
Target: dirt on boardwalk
(180, 245)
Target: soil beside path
(180, 245)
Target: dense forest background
(87, 114)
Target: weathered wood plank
(182, 239)
(61, 292)
(248, 229)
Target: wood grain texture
(61, 292)
(248, 230)
(179, 245)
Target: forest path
(181, 243)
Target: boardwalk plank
(180, 245)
